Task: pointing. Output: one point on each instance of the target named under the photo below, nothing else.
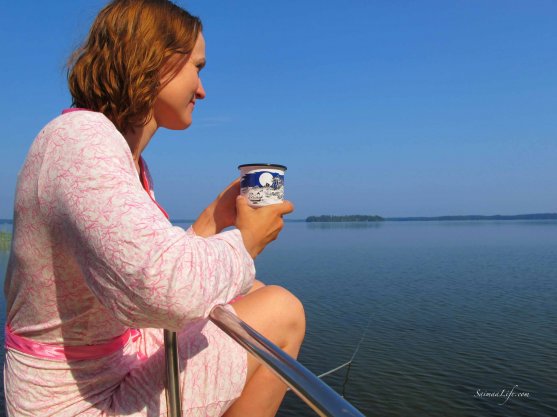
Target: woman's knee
(289, 310)
(276, 313)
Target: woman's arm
(147, 272)
(220, 214)
(258, 226)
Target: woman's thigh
(214, 368)
(275, 313)
(212, 374)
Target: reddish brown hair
(118, 69)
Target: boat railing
(314, 392)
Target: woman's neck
(138, 139)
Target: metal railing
(173, 402)
(314, 392)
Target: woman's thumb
(241, 202)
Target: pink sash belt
(67, 353)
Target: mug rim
(263, 165)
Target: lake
(460, 316)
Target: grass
(5, 240)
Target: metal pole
(172, 385)
(314, 392)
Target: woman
(96, 269)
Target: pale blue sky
(396, 108)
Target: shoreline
(470, 217)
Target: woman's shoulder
(75, 138)
(83, 128)
(80, 120)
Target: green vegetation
(5, 240)
(536, 216)
(347, 218)
(364, 218)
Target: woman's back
(47, 296)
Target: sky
(393, 108)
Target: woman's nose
(200, 92)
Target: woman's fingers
(286, 207)
(220, 214)
(260, 226)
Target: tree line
(347, 218)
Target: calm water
(454, 310)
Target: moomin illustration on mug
(262, 184)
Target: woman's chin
(178, 124)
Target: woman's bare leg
(256, 285)
(279, 316)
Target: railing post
(172, 384)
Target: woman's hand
(260, 226)
(220, 214)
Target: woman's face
(175, 103)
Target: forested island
(365, 218)
(349, 218)
(536, 216)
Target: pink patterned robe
(92, 256)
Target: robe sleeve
(144, 270)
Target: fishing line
(349, 363)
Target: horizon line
(182, 220)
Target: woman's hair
(119, 68)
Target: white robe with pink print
(92, 256)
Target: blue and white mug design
(262, 184)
